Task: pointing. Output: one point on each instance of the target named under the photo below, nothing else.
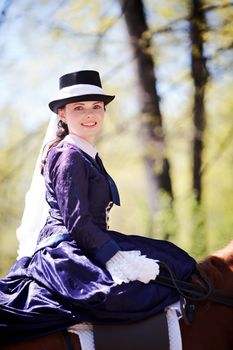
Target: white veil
(36, 207)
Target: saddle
(149, 334)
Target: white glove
(132, 266)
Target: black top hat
(84, 85)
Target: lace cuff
(131, 266)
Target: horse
(212, 325)
(210, 329)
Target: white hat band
(79, 90)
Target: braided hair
(62, 131)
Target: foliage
(16, 164)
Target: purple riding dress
(66, 280)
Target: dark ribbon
(112, 185)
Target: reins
(194, 292)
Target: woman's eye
(78, 108)
(97, 107)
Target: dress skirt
(60, 286)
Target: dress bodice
(77, 192)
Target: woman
(81, 271)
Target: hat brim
(56, 104)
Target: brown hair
(62, 131)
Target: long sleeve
(70, 180)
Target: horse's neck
(212, 325)
(219, 268)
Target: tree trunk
(200, 77)
(156, 162)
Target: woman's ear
(61, 114)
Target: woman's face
(84, 119)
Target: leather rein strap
(194, 292)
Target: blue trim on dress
(107, 251)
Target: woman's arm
(69, 176)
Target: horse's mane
(219, 267)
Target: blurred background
(168, 136)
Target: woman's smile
(89, 124)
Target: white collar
(82, 144)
